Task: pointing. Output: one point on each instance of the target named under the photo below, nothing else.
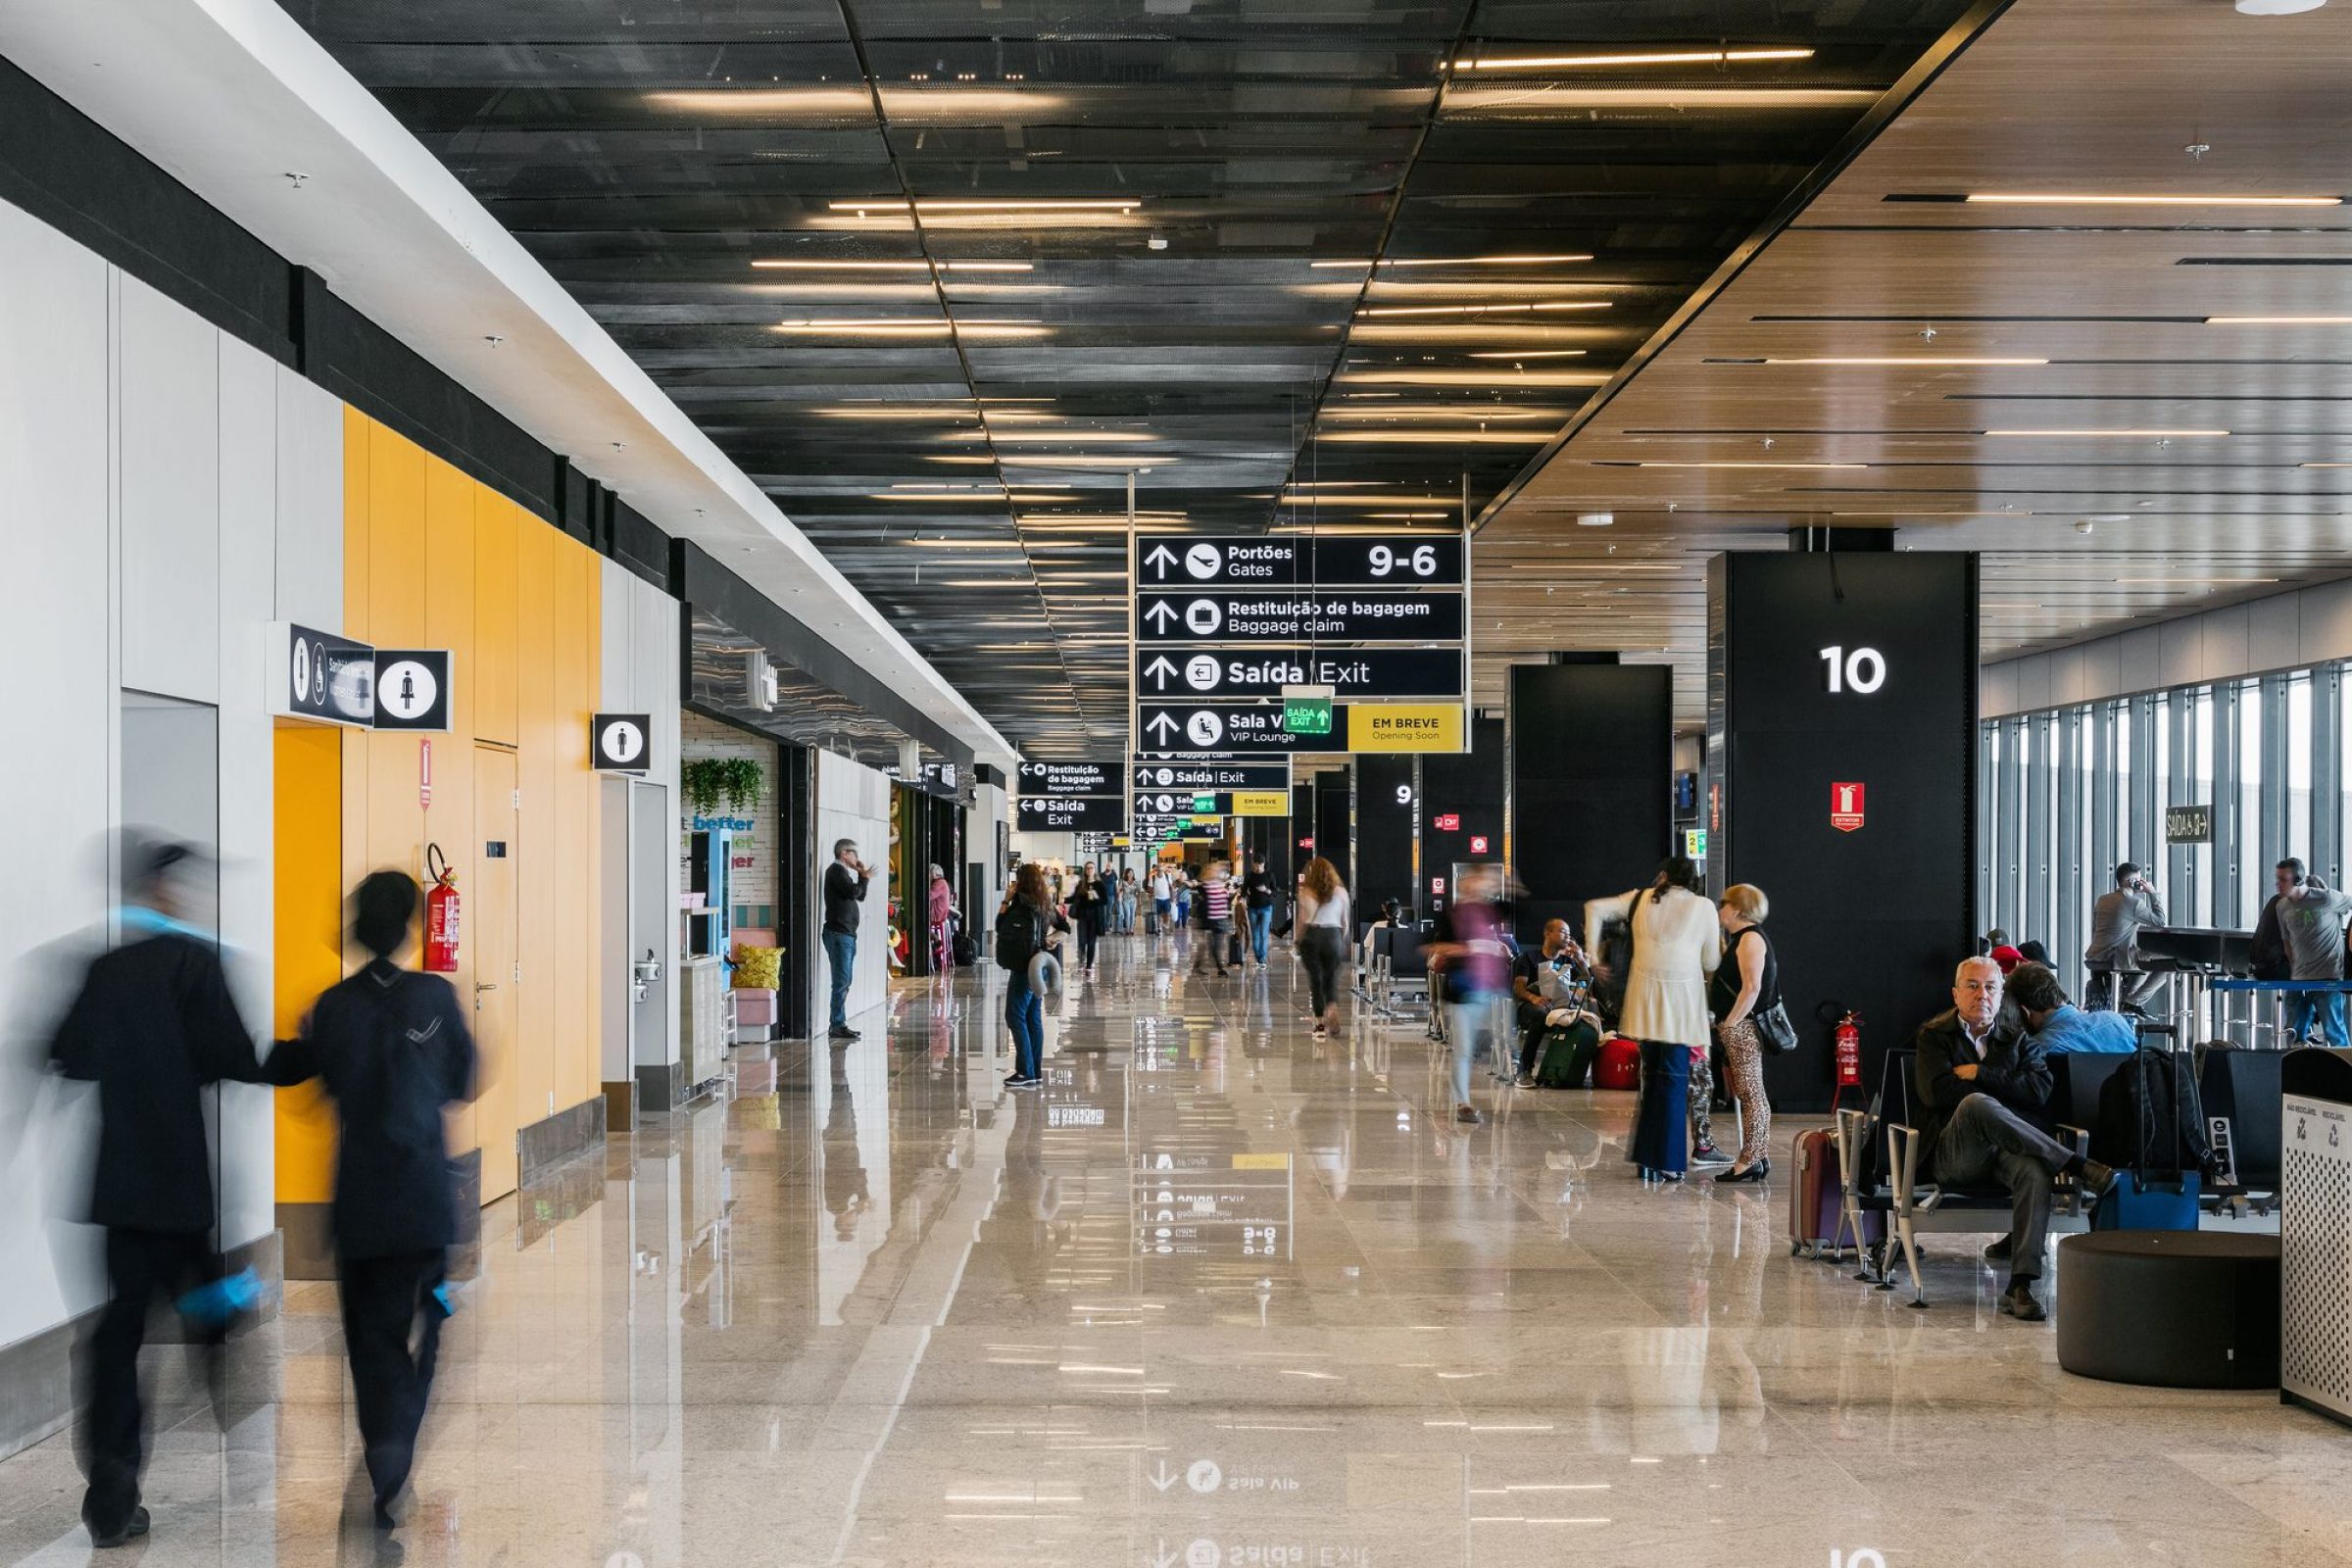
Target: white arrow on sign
(1161, 1556)
(1160, 727)
(1160, 557)
(1159, 614)
(1159, 669)
(1164, 1477)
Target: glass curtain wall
(2067, 793)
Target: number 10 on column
(1854, 670)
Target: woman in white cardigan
(1677, 945)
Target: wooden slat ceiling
(944, 399)
(2204, 469)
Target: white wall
(639, 674)
(169, 491)
(2283, 631)
(990, 806)
(853, 802)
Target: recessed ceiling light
(1658, 57)
(2278, 8)
(1481, 310)
(1437, 437)
(2127, 435)
(1531, 354)
(1733, 464)
(2279, 320)
(1123, 204)
(1892, 359)
(1515, 260)
(1472, 377)
(2118, 198)
(1595, 520)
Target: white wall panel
(248, 470)
(55, 638)
(853, 802)
(2140, 653)
(2180, 653)
(309, 503)
(1996, 689)
(166, 390)
(2033, 681)
(2327, 621)
(2225, 635)
(639, 674)
(2275, 632)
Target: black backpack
(2150, 1117)
(1018, 935)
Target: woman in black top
(391, 1047)
(1748, 979)
(1089, 897)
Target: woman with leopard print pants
(1748, 981)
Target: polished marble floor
(1218, 1294)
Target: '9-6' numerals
(1422, 562)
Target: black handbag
(1774, 1032)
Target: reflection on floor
(1220, 1295)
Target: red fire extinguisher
(442, 913)
(1850, 1054)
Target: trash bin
(2315, 1231)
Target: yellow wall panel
(495, 523)
(355, 428)
(395, 541)
(307, 947)
(436, 560)
(535, 654)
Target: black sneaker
(1467, 1116)
(2017, 1301)
(843, 1032)
(131, 1530)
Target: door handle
(481, 987)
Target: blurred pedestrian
(152, 1024)
(1470, 954)
(1323, 914)
(392, 1047)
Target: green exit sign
(1306, 715)
(1205, 803)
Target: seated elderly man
(2057, 1026)
(1977, 1082)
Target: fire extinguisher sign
(1845, 807)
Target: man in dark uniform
(392, 1049)
(152, 1024)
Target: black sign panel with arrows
(1070, 778)
(1197, 727)
(1241, 617)
(1366, 672)
(1070, 813)
(1190, 777)
(1399, 560)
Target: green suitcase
(1565, 1060)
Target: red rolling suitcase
(1619, 1065)
(1817, 1222)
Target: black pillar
(1842, 725)
(1386, 803)
(1466, 788)
(1334, 802)
(1592, 761)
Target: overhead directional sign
(1381, 672)
(1071, 797)
(1211, 803)
(1191, 777)
(1432, 560)
(1243, 617)
(1070, 813)
(1069, 778)
(1244, 730)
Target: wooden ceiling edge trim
(1876, 120)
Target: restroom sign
(412, 688)
(619, 742)
(1845, 807)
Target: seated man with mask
(1977, 1082)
